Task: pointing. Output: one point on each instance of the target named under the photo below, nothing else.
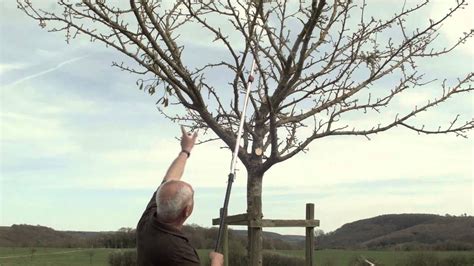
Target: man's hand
(217, 259)
(176, 169)
(187, 140)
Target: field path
(370, 263)
(43, 254)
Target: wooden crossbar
(284, 223)
(242, 219)
(238, 219)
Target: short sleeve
(187, 255)
(149, 210)
(151, 206)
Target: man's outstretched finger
(183, 130)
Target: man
(160, 241)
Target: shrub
(123, 258)
(456, 260)
(237, 253)
(452, 245)
(239, 258)
(329, 262)
(430, 259)
(275, 259)
(420, 259)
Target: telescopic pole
(234, 159)
(231, 175)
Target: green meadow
(53, 256)
(386, 258)
(99, 256)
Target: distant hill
(24, 235)
(394, 231)
(404, 231)
(28, 235)
(291, 239)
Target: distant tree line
(123, 238)
(404, 232)
(199, 237)
(204, 238)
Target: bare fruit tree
(318, 62)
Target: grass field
(54, 256)
(76, 257)
(387, 258)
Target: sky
(81, 148)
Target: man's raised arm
(176, 169)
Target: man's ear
(187, 211)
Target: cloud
(331, 162)
(456, 25)
(391, 155)
(348, 202)
(86, 129)
(4, 68)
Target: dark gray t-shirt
(159, 244)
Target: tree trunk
(254, 210)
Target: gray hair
(169, 208)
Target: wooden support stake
(309, 252)
(257, 224)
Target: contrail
(46, 71)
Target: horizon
(82, 147)
(243, 228)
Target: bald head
(174, 201)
